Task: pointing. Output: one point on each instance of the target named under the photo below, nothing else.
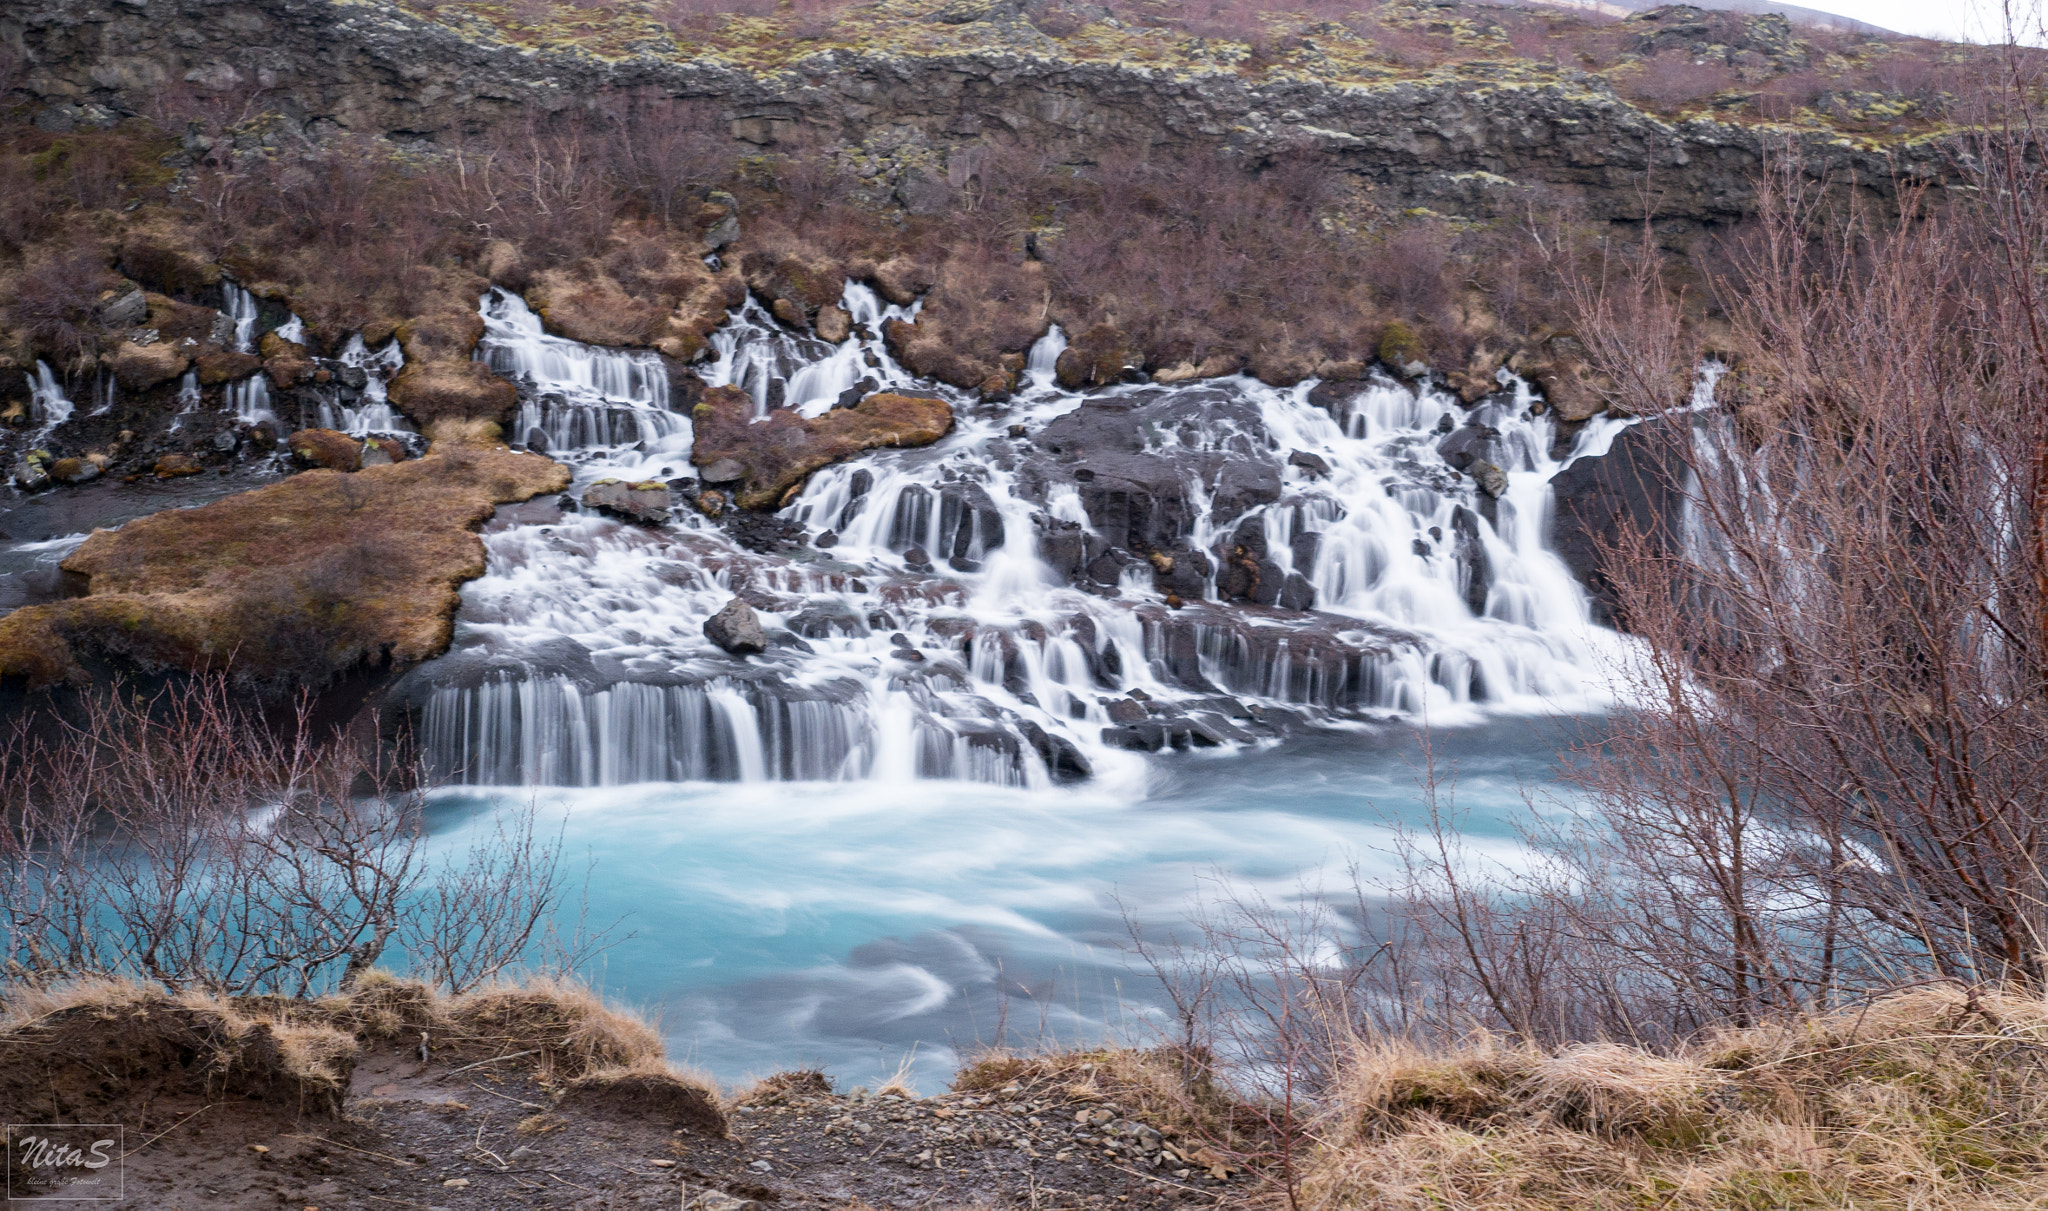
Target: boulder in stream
(737, 629)
(647, 503)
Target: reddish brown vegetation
(780, 452)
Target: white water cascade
(48, 405)
(240, 308)
(578, 397)
(372, 412)
(248, 398)
(979, 609)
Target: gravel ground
(496, 1136)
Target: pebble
(761, 1166)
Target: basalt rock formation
(1460, 139)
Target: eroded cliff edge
(1460, 138)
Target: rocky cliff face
(1457, 140)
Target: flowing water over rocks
(1060, 581)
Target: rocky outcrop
(1464, 141)
(1137, 462)
(771, 458)
(1636, 489)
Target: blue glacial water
(857, 925)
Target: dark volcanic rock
(1131, 459)
(1637, 486)
(737, 629)
(1455, 144)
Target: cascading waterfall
(940, 629)
(47, 403)
(372, 411)
(576, 397)
(249, 398)
(240, 308)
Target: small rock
(719, 1200)
(124, 310)
(737, 629)
(171, 465)
(834, 324)
(455, 1183)
(647, 503)
(1491, 479)
(1309, 462)
(1121, 710)
(826, 541)
(724, 471)
(761, 1167)
(258, 1148)
(790, 312)
(74, 470)
(663, 1164)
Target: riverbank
(543, 1096)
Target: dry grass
(99, 1046)
(1928, 1099)
(782, 1088)
(297, 581)
(60, 1045)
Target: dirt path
(493, 1135)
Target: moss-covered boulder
(779, 453)
(452, 390)
(1098, 357)
(325, 448)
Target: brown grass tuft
(649, 1088)
(1926, 1099)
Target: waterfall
(578, 397)
(971, 611)
(372, 412)
(47, 403)
(240, 307)
(249, 399)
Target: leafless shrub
(177, 839)
(1675, 77)
(56, 300)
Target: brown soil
(509, 1139)
(541, 1096)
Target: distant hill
(1803, 16)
